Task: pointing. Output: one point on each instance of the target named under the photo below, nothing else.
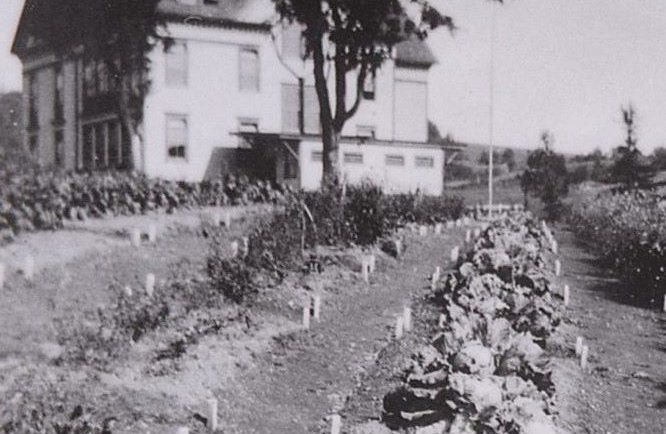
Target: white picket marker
(435, 278)
(558, 267)
(316, 307)
(211, 414)
(150, 284)
(449, 224)
(477, 233)
(579, 345)
(567, 295)
(182, 430)
(398, 247)
(227, 220)
(407, 318)
(438, 228)
(442, 321)
(423, 230)
(2, 275)
(399, 327)
(467, 221)
(306, 316)
(29, 267)
(458, 223)
(455, 254)
(664, 300)
(233, 247)
(554, 246)
(152, 233)
(127, 290)
(246, 246)
(336, 423)
(365, 270)
(468, 236)
(584, 354)
(372, 259)
(135, 237)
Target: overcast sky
(562, 65)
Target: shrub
(232, 277)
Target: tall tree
(119, 33)
(630, 167)
(356, 36)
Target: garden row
(628, 231)
(486, 370)
(43, 200)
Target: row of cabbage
(628, 231)
(486, 369)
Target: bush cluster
(485, 370)
(43, 200)
(628, 231)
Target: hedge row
(485, 370)
(628, 231)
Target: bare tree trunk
(328, 134)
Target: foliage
(485, 370)
(659, 158)
(12, 152)
(546, 177)
(628, 231)
(357, 36)
(43, 200)
(232, 277)
(630, 168)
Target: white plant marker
(558, 267)
(554, 247)
(455, 254)
(477, 233)
(449, 224)
(442, 321)
(306, 316)
(458, 223)
(435, 278)
(407, 318)
(468, 236)
(423, 230)
(233, 247)
(316, 307)
(246, 246)
(127, 290)
(467, 221)
(227, 220)
(584, 354)
(135, 237)
(152, 233)
(567, 295)
(438, 228)
(372, 259)
(2, 275)
(365, 270)
(336, 423)
(398, 247)
(399, 327)
(150, 284)
(29, 267)
(579, 345)
(182, 430)
(664, 300)
(211, 414)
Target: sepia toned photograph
(332, 216)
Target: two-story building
(232, 94)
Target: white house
(226, 98)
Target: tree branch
(360, 84)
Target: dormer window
(176, 65)
(249, 70)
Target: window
(317, 156)
(369, 86)
(58, 103)
(100, 146)
(311, 107)
(102, 78)
(424, 162)
(365, 131)
(113, 146)
(293, 42)
(249, 70)
(33, 101)
(58, 140)
(395, 160)
(176, 65)
(290, 165)
(90, 79)
(290, 108)
(176, 136)
(353, 158)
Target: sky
(562, 65)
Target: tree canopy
(630, 167)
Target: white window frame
(186, 145)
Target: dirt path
(308, 375)
(624, 391)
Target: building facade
(232, 94)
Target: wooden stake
(150, 284)
(399, 327)
(365, 270)
(554, 247)
(438, 228)
(407, 318)
(442, 321)
(135, 237)
(211, 414)
(567, 295)
(584, 354)
(468, 236)
(306, 316)
(664, 300)
(152, 233)
(227, 220)
(467, 221)
(316, 307)
(373, 263)
(246, 246)
(455, 254)
(435, 278)
(449, 224)
(558, 267)
(458, 223)
(234, 249)
(477, 233)
(29, 267)
(579, 345)
(423, 230)
(398, 247)
(127, 290)
(336, 423)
